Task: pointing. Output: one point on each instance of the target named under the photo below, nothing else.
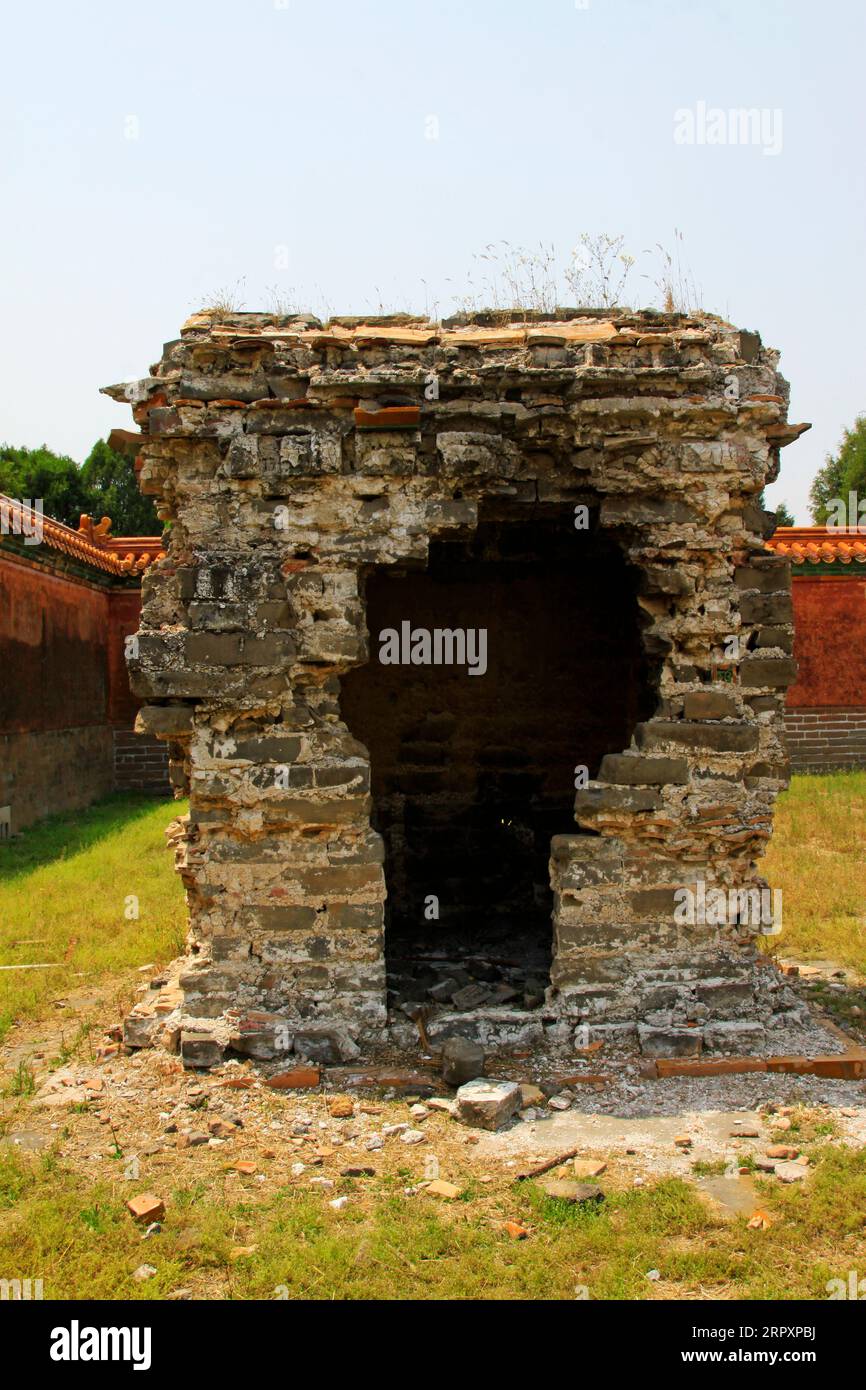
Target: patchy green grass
(818, 858)
(23, 1081)
(68, 889)
(77, 1236)
(709, 1168)
(64, 893)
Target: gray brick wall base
(824, 739)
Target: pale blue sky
(303, 125)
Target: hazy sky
(153, 154)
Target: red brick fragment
(146, 1207)
(393, 417)
(720, 1066)
(298, 1079)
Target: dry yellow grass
(818, 858)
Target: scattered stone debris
(298, 1079)
(488, 1104)
(564, 1190)
(760, 1221)
(560, 1102)
(398, 1080)
(588, 1167)
(341, 1107)
(439, 1188)
(462, 1061)
(443, 1104)
(291, 1137)
(413, 1136)
(515, 1230)
(530, 1095)
(791, 1172)
(146, 1207)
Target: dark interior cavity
(473, 774)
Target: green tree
(110, 480)
(781, 511)
(31, 474)
(105, 485)
(843, 472)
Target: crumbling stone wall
(293, 458)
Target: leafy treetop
(105, 485)
(843, 473)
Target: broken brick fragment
(146, 1207)
(298, 1079)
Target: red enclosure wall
(829, 642)
(53, 635)
(61, 651)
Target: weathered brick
(709, 704)
(630, 770)
(164, 721)
(591, 799)
(776, 672)
(670, 1042)
(770, 574)
(278, 749)
(770, 609)
(291, 918)
(720, 738)
(653, 902)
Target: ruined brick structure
(588, 491)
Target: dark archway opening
(473, 774)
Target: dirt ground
(70, 1086)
